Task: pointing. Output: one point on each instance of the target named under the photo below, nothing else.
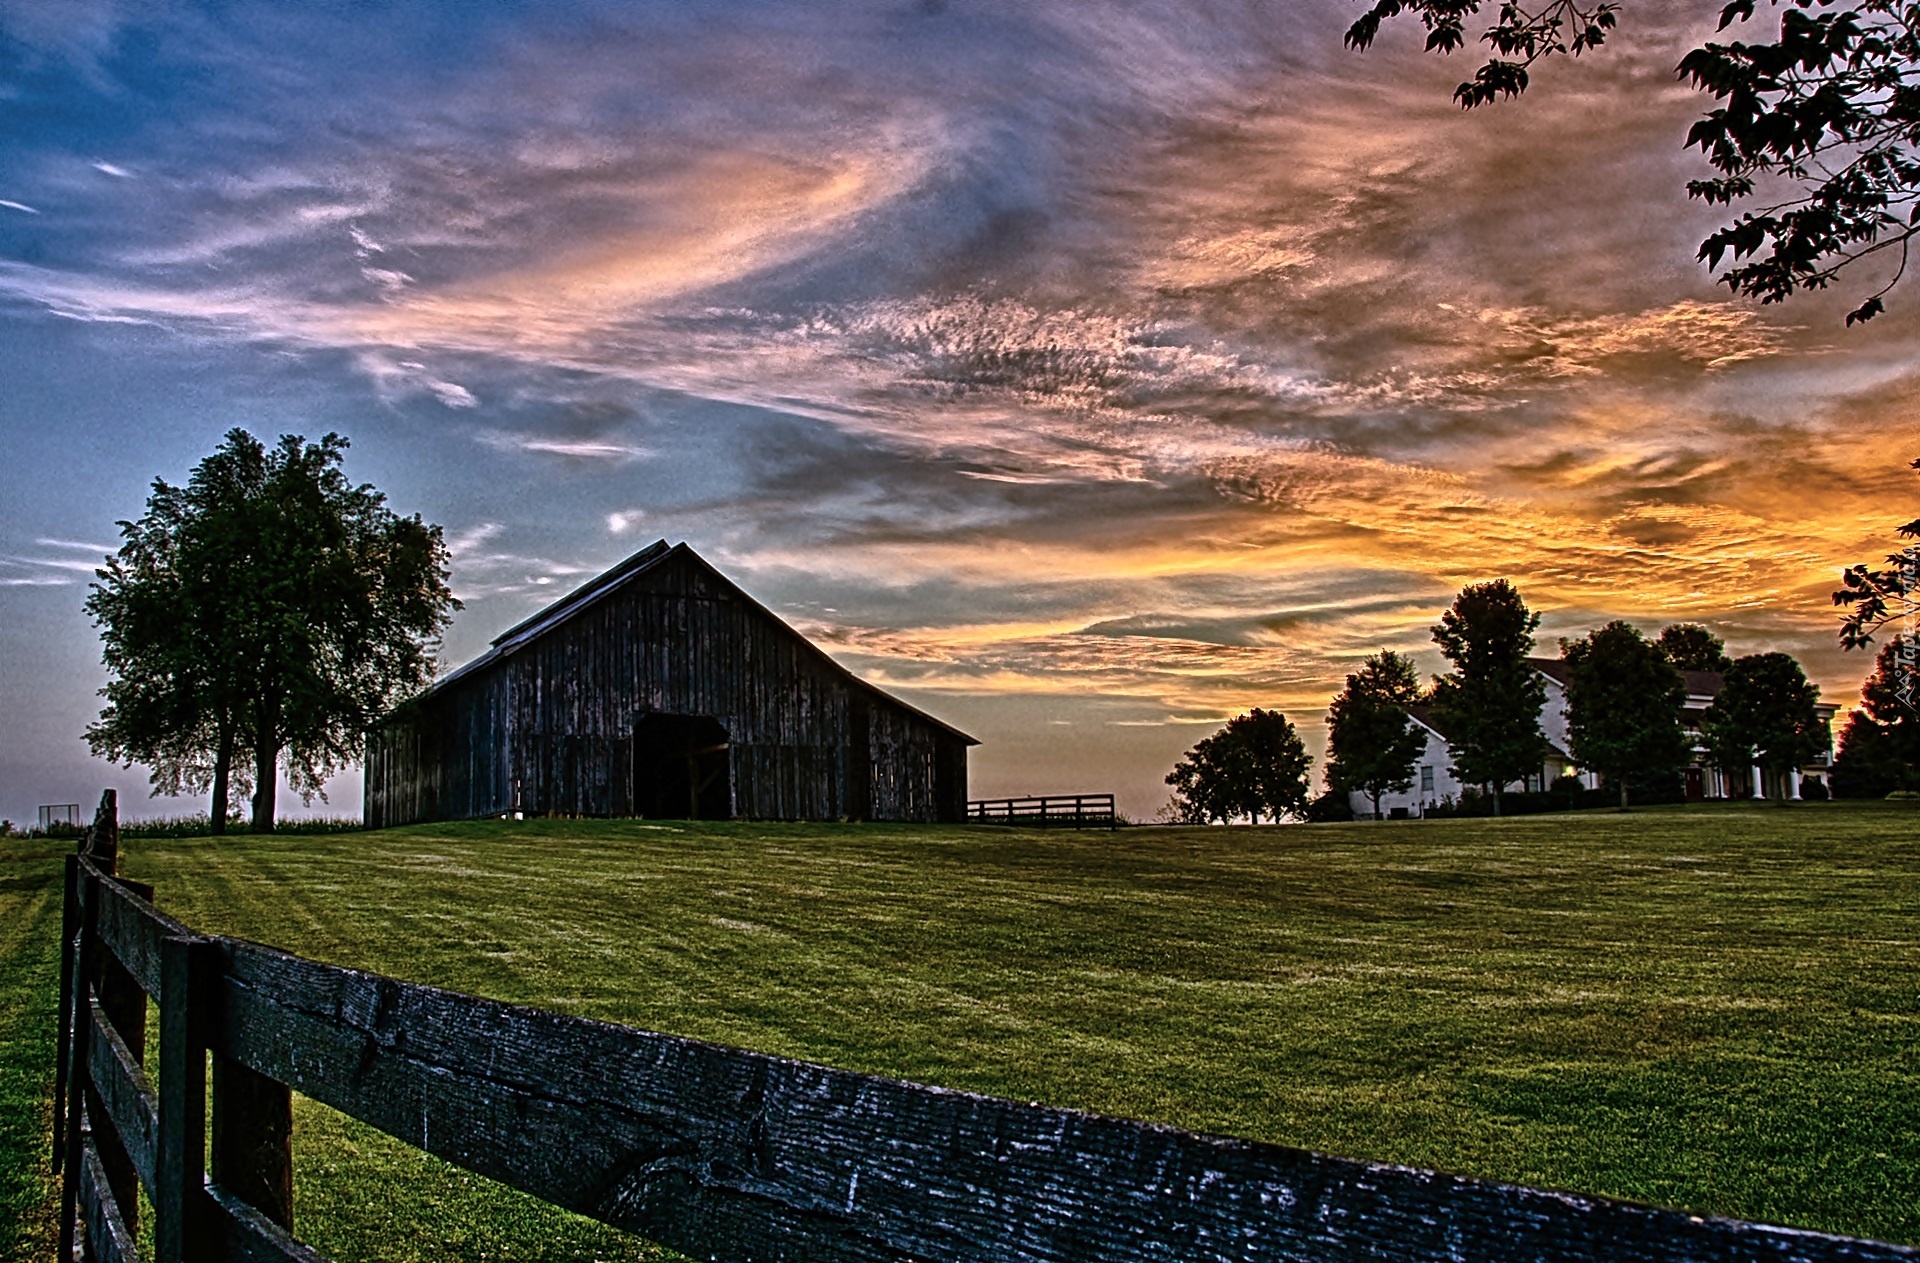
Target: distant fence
(1073, 811)
(52, 814)
(717, 1152)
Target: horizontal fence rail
(1076, 811)
(718, 1152)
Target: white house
(1435, 780)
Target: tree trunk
(1496, 800)
(1376, 805)
(266, 764)
(222, 775)
(1623, 793)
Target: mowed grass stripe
(29, 998)
(1708, 1008)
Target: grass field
(1715, 1008)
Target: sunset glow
(1085, 378)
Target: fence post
(63, 1057)
(80, 1024)
(101, 841)
(124, 1004)
(181, 1224)
(253, 1139)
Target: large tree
(1623, 706)
(1764, 716)
(1489, 704)
(268, 607)
(1880, 744)
(1820, 124)
(1372, 745)
(1255, 766)
(1692, 647)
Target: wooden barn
(660, 689)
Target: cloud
(55, 563)
(80, 545)
(22, 207)
(481, 569)
(117, 172)
(583, 449)
(1177, 357)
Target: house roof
(1422, 714)
(608, 583)
(1698, 683)
(1703, 683)
(1554, 669)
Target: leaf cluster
(1692, 647)
(1255, 766)
(1519, 36)
(1874, 598)
(1823, 120)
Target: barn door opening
(681, 769)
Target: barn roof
(606, 584)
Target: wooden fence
(1073, 811)
(720, 1153)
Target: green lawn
(1716, 1008)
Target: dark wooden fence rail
(721, 1153)
(1077, 811)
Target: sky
(1085, 374)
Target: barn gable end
(661, 689)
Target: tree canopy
(1692, 647)
(1880, 744)
(1819, 125)
(1623, 705)
(1764, 715)
(1371, 744)
(1874, 598)
(1255, 766)
(268, 606)
(1489, 704)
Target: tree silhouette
(1489, 704)
(1880, 744)
(1692, 647)
(1764, 715)
(268, 606)
(1255, 766)
(1623, 705)
(1372, 745)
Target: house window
(1426, 780)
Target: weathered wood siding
(549, 726)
